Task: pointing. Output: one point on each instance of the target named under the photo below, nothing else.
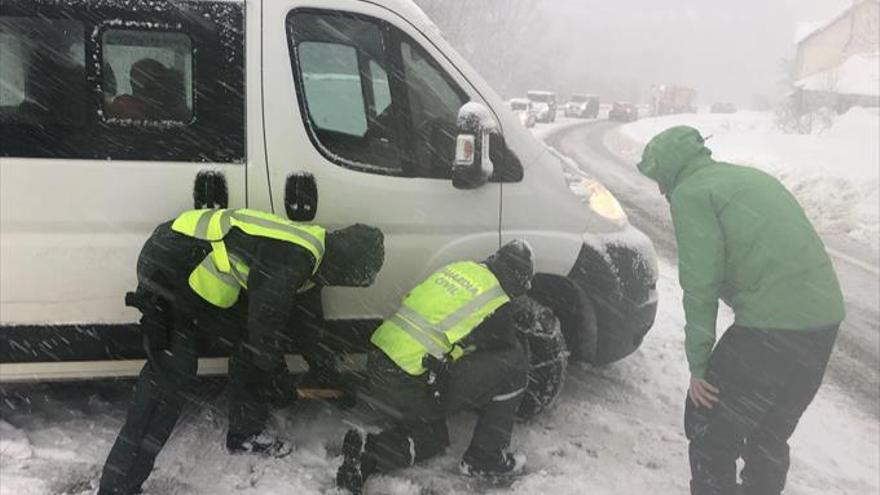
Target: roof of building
(806, 30)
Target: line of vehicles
(542, 106)
(673, 99)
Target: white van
(109, 110)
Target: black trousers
(766, 378)
(168, 381)
(491, 383)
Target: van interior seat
(51, 89)
(127, 107)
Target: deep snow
(616, 430)
(835, 173)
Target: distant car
(544, 103)
(723, 107)
(523, 109)
(623, 112)
(582, 107)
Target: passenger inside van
(157, 93)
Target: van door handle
(210, 190)
(301, 197)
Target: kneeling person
(231, 277)
(452, 346)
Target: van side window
(373, 99)
(341, 69)
(145, 80)
(42, 77)
(147, 76)
(332, 84)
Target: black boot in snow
(261, 444)
(351, 474)
(498, 465)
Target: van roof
(409, 10)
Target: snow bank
(834, 174)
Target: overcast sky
(727, 49)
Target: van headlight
(599, 199)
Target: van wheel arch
(575, 311)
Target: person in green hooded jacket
(744, 239)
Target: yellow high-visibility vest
(220, 277)
(438, 313)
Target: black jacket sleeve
(277, 270)
(496, 331)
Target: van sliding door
(108, 111)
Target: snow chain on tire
(544, 342)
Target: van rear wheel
(541, 335)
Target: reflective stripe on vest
(220, 277)
(438, 313)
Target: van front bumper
(618, 272)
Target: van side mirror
(301, 197)
(210, 191)
(472, 165)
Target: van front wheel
(541, 335)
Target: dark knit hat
(513, 264)
(353, 256)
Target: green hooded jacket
(742, 238)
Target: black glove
(524, 317)
(437, 376)
(155, 321)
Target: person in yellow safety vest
(451, 346)
(238, 280)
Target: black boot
(499, 464)
(261, 444)
(353, 472)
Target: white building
(838, 62)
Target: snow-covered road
(616, 431)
